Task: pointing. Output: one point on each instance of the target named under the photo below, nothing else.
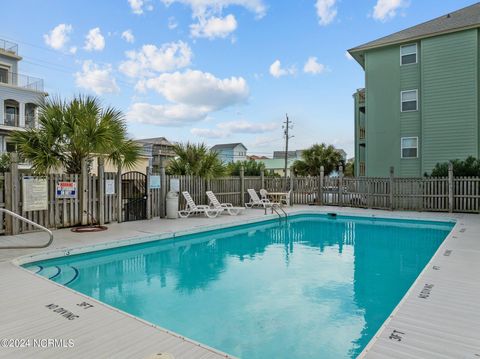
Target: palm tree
(195, 160)
(251, 168)
(71, 131)
(316, 156)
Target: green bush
(470, 167)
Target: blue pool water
(312, 287)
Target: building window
(409, 100)
(4, 75)
(408, 54)
(409, 147)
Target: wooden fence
(447, 194)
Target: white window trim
(401, 100)
(402, 148)
(416, 54)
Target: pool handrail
(34, 224)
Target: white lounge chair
(255, 201)
(264, 193)
(227, 207)
(192, 208)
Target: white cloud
(326, 11)
(276, 69)
(387, 9)
(172, 23)
(174, 115)
(209, 133)
(150, 59)
(214, 27)
(209, 7)
(226, 129)
(58, 36)
(312, 66)
(127, 35)
(138, 6)
(94, 40)
(199, 89)
(73, 50)
(348, 56)
(208, 13)
(96, 78)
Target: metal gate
(134, 196)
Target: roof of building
(227, 146)
(155, 141)
(255, 157)
(462, 19)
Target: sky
(213, 71)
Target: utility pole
(287, 126)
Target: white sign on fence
(35, 193)
(174, 185)
(109, 186)
(66, 189)
(155, 182)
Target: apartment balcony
(361, 170)
(8, 47)
(361, 133)
(21, 81)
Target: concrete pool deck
(438, 318)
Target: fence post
(292, 184)
(392, 183)
(242, 185)
(12, 195)
(101, 191)
(450, 187)
(163, 189)
(84, 193)
(149, 202)
(340, 186)
(262, 179)
(119, 195)
(320, 186)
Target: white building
(19, 96)
(231, 152)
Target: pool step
(68, 275)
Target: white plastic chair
(255, 201)
(227, 207)
(192, 208)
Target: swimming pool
(313, 286)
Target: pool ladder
(275, 208)
(26, 220)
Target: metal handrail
(36, 225)
(274, 208)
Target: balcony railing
(11, 120)
(9, 47)
(361, 171)
(362, 133)
(23, 81)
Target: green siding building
(420, 105)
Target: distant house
(277, 166)
(255, 157)
(296, 155)
(230, 152)
(157, 149)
